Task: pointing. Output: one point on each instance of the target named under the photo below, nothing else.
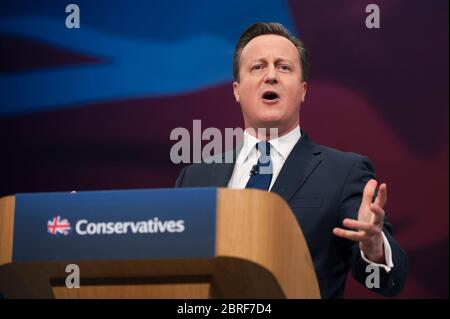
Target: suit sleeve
(390, 283)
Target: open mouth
(270, 96)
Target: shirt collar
(283, 145)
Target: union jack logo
(58, 226)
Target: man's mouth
(270, 97)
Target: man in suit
(334, 195)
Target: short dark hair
(262, 28)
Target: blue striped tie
(261, 174)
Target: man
(333, 194)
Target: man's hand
(369, 224)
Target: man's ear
(304, 86)
(236, 91)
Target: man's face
(271, 88)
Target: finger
(382, 195)
(378, 213)
(369, 228)
(349, 234)
(369, 192)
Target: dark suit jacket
(322, 186)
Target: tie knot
(263, 147)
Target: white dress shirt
(280, 148)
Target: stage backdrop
(92, 108)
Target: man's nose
(271, 76)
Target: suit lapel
(300, 163)
(223, 174)
(223, 171)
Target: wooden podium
(259, 252)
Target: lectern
(153, 243)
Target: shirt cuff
(388, 265)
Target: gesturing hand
(368, 227)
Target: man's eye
(257, 67)
(285, 67)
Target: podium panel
(161, 243)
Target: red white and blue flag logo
(58, 226)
